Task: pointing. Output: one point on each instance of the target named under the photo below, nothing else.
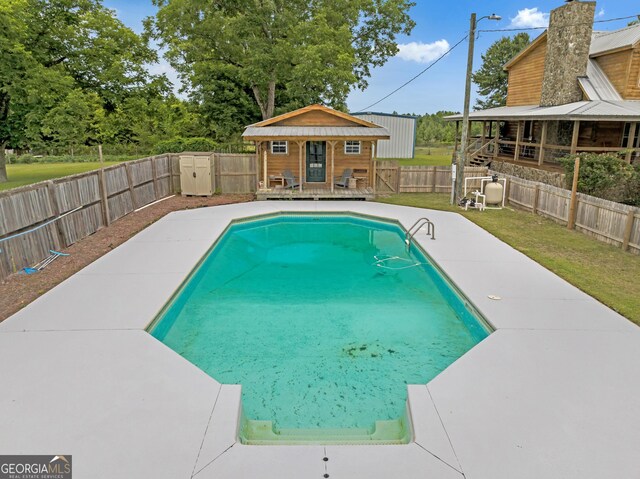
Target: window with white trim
(279, 147)
(352, 147)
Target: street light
(456, 195)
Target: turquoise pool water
(315, 321)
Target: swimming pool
(324, 320)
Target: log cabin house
(571, 90)
(316, 144)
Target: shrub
(605, 176)
(178, 145)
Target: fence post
(131, 188)
(628, 228)
(571, 222)
(104, 198)
(55, 209)
(536, 193)
(398, 173)
(508, 190)
(155, 177)
(433, 179)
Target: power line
(412, 79)
(363, 110)
(523, 29)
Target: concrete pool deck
(552, 393)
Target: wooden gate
(387, 177)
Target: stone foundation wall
(527, 173)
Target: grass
(600, 270)
(20, 175)
(431, 156)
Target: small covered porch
(316, 153)
(538, 136)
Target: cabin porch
(539, 143)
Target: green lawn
(20, 175)
(601, 270)
(431, 156)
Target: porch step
(480, 160)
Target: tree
(51, 48)
(75, 120)
(279, 53)
(491, 77)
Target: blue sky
(439, 25)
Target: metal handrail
(411, 232)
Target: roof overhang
(598, 110)
(263, 133)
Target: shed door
(187, 175)
(203, 176)
(316, 161)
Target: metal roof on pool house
(315, 122)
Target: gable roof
(603, 42)
(316, 107)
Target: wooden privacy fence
(610, 222)
(95, 199)
(86, 202)
(393, 178)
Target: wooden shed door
(203, 176)
(316, 161)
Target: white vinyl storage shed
(402, 129)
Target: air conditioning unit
(197, 174)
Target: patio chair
(343, 181)
(290, 180)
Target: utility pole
(462, 151)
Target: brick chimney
(568, 41)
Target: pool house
(316, 152)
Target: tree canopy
(70, 69)
(262, 57)
(491, 77)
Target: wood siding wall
(633, 84)
(277, 163)
(525, 77)
(616, 67)
(315, 118)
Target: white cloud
(530, 18)
(422, 52)
(600, 13)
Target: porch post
(258, 151)
(516, 153)
(633, 129)
(574, 137)
(496, 147)
(374, 164)
(543, 142)
(333, 154)
(484, 132)
(301, 145)
(264, 168)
